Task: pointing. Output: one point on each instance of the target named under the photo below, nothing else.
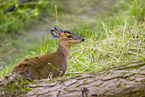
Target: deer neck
(64, 50)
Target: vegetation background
(114, 32)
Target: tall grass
(114, 50)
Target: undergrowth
(23, 15)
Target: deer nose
(83, 39)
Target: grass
(114, 39)
(114, 50)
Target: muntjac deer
(55, 63)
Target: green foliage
(22, 16)
(14, 22)
(137, 9)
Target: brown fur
(53, 63)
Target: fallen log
(127, 80)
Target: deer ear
(55, 33)
(58, 28)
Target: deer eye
(69, 36)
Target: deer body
(52, 63)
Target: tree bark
(127, 80)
